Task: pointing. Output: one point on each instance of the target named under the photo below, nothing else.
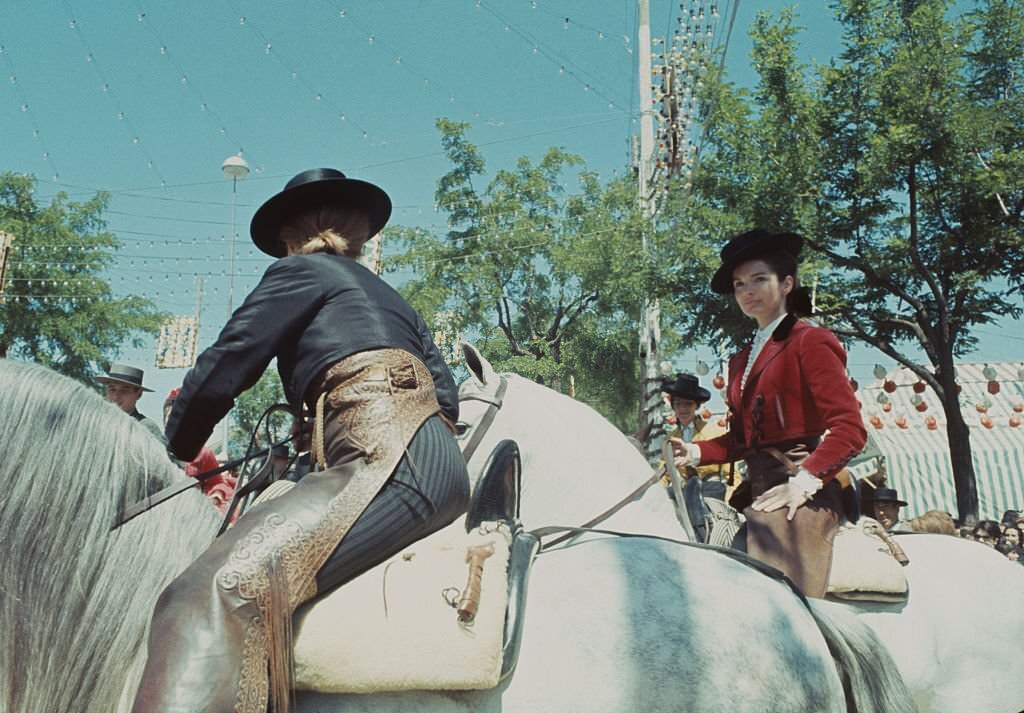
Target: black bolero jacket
(309, 311)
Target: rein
(493, 405)
(151, 501)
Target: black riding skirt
(427, 490)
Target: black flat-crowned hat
(747, 246)
(317, 186)
(123, 374)
(686, 386)
(886, 495)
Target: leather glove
(687, 454)
(792, 494)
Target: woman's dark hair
(990, 528)
(1005, 547)
(783, 264)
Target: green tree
(902, 163)
(548, 282)
(250, 406)
(57, 309)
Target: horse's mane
(75, 597)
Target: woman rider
(353, 351)
(795, 418)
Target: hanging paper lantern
(986, 422)
(876, 422)
(922, 406)
(1019, 407)
(931, 423)
(919, 387)
(889, 386)
(705, 414)
(916, 399)
(718, 381)
(981, 407)
(882, 398)
(887, 406)
(665, 368)
(993, 387)
(1014, 421)
(879, 372)
(988, 372)
(901, 421)
(722, 422)
(702, 368)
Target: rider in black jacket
(353, 351)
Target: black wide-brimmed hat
(750, 245)
(686, 386)
(318, 186)
(886, 495)
(123, 374)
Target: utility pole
(650, 319)
(6, 241)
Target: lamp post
(236, 168)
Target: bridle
(494, 404)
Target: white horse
(612, 624)
(964, 604)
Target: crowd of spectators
(1006, 535)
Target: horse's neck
(577, 465)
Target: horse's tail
(871, 681)
(279, 640)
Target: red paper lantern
(993, 387)
(889, 386)
(981, 407)
(876, 422)
(1014, 422)
(986, 422)
(887, 406)
(931, 423)
(705, 414)
(1019, 408)
(722, 422)
(918, 387)
(922, 407)
(901, 421)
(718, 381)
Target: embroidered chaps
(394, 474)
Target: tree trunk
(958, 435)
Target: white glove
(686, 454)
(792, 494)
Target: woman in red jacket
(795, 419)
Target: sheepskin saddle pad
(395, 628)
(863, 567)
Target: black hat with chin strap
(749, 246)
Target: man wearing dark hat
(886, 506)
(705, 488)
(124, 388)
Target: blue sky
(146, 99)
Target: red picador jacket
(797, 389)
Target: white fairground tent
(914, 444)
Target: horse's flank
(72, 611)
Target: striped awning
(915, 447)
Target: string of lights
(26, 109)
(316, 94)
(109, 90)
(188, 83)
(568, 22)
(565, 65)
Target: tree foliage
(547, 279)
(249, 410)
(58, 309)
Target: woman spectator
(987, 532)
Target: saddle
(867, 564)
(406, 624)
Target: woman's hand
(686, 454)
(792, 494)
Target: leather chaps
(215, 626)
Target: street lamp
(236, 168)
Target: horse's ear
(477, 364)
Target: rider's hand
(686, 454)
(792, 494)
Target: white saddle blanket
(391, 629)
(863, 567)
